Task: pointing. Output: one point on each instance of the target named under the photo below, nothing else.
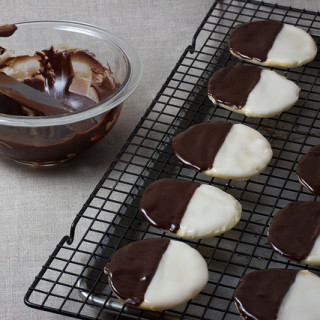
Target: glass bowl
(52, 139)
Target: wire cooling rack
(72, 282)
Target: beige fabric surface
(37, 206)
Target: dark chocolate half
(253, 40)
(164, 202)
(308, 170)
(260, 293)
(295, 228)
(132, 268)
(198, 146)
(231, 86)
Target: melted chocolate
(7, 30)
(164, 202)
(295, 228)
(253, 40)
(308, 170)
(29, 97)
(231, 86)
(133, 266)
(197, 146)
(260, 293)
(54, 78)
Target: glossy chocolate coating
(253, 40)
(231, 86)
(295, 228)
(164, 202)
(308, 170)
(7, 30)
(197, 146)
(132, 268)
(260, 293)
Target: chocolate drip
(295, 228)
(308, 170)
(253, 40)
(164, 202)
(231, 86)
(7, 30)
(197, 146)
(133, 266)
(260, 293)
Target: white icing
(302, 299)
(314, 255)
(210, 212)
(292, 46)
(181, 274)
(243, 154)
(272, 95)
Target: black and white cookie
(278, 294)
(189, 209)
(222, 149)
(156, 274)
(308, 170)
(294, 232)
(272, 43)
(252, 91)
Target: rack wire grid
(72, 281)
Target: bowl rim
(133, 78)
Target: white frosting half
(181, 274)
(272, 95)
(244, 154)
(292, 47)
(302, 299)
(210, 212)
(314, 256)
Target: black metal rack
(72, 282)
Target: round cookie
(294, 232)
(157, 273)
(222, 149)
(278, 294)
(252, 91)
(308, 170)
(189, 209)
(272, 43)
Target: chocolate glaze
(231, 86)
(7, 30)
(164, 202)
(54, 77)
(132, 268)
(295, 228)
(260, 293)
(197, 146)
(253, 40)
(308, 170)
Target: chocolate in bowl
(35, 138)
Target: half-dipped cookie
(156, 274)
(278, 294)
(308, 170)
(252, 91)
(189, 209)
(272, 43)
(222, 149)
(294, 232)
